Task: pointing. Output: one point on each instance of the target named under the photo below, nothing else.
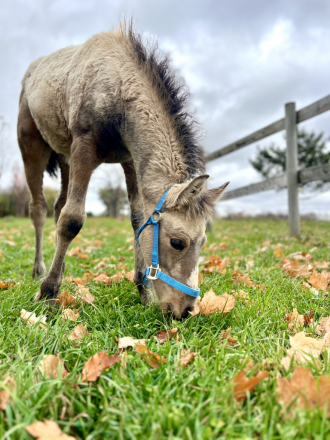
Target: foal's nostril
(186, 311)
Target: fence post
(292, 167)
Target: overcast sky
(242, 61)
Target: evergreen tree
(312, 150)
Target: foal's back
(78, 89)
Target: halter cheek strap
(153, 272)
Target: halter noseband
(153, 272)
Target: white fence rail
(292, 177)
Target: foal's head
(181, 238)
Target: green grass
(194, 403)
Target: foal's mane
(174, 96)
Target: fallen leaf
(186, 356)
(225, 336)
(64, 299)
(153, 359)
(238, 278)
(130, 276)
(70, 315)
(10, 384)
(127, 341)
(303, 391)
(52, 367)
(249, 364)
(164, 335)
(266, 242)
(100, 278)
(85, 295)
(212, 303)
(6, 285)
(303, 349)
(321, 264)
(9, 242)
(47, 430)
(319, 280)
(96, 364)
(131, 248)
(244, 384)
(323, 326)
(278, 253)
(78, 333)
(68, 279)
(296, 322)
(31, 318)
(241, 294)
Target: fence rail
(292, 178)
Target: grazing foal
(110, 100)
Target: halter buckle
(151, 275)
(153, 221)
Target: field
(169, 402)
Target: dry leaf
(164, 335)
(117, 278)
(85, 295)
(31, 318)
(96, 364)
(153, 359)
(249, 363)
(68, 279)
(238, 278)
(131, 248)
(130, 276)
(47, 430)
(6, 285)
(186, 357)
(127, 341)
(70, 315)
(100, 278)
(303, 391)
(52, 367)
(244, 384)
(9, 383)
(78, 333)
(323, 326)
(225, 336)
(319, 280)
(64, 299)
(297, 322)
(9, 242)
(212, 303)
(303, 349)
(278, 253)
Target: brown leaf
(85, 295)
(47, 430)
(319, 280)
(117, 278)
(30, 318)
(131, 248)
(303, 391)
(64, 299)
(96, 364)
(78, 333)
(303, 349)
(153, 359)
(52, 367)
(295, 321)
(164, 335)
(244, 384)
(9, 242)
(10, 384)
(238, 278)
(249, 364)
(130, 276)
(212, 303)
(70, 315)
(127, 341)
(100, 278)
(186, 357)
(225, 336)
(6, 285)
(278, 253)
(323, 326)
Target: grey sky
(242, 60)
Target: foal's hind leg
(82, 163)
(136, 204)
(35, 154)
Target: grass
(165, 403)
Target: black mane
(174, 95)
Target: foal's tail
(52, 165)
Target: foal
(110, 100)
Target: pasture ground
(165, 403)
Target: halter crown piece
(153, 272)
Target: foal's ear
(183, 193)
(215, 194)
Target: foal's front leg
(83, 162)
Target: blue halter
(153, 272)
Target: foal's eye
(177, 244)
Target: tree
(115, 200)
(312, 150)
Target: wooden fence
(292, 177)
